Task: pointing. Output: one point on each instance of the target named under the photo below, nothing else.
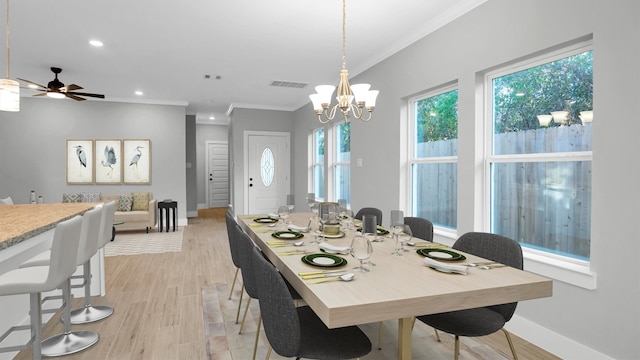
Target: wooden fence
(543, 205)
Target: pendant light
(9, 89)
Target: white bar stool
(38, 279)
(90, 313)
(70, 342)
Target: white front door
(218, 173)
(267, 171)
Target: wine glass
(396, 229)
(290, 203)
(347, 218)
(369, 226)
(362, 250)
(283, 212)
(324, 219)
(402, 237)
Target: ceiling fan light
(55, 95)
(9, 95)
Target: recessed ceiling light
(32, 86)
(212, 117)
(138, 92)
(96, 43)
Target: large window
(330, 162)
(342, 161)
(317, 163)
(434, 157)
(539, 155)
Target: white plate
(441, 255)
(287, 235)
(323, 260)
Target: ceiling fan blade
(30, 88)
(71, 96)
(70, 88)
(43, 94)
(31, 82)
(87, 94)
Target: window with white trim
(433, 157)
(538, 155)
(330, 162)
(342, 161)
(317, 163)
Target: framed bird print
(108, 161)
(136, 157)
(80, 162)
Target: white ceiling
(165, 48)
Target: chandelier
(9, 89)
(365, 99)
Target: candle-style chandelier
(365, 99)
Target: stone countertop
(20, 222)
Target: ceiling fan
(56, 89)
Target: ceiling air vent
(288, 84)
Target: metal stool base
(90, 314)
(69, 343)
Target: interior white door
(218, 174)
(267, 175)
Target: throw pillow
(71, 198)
(91, 197)
(125, 203)
(140, 201)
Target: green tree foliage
(320, 142)
(437, 117)
(565, 84)
(344, 136)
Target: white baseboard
(551, 341)
(203, 206)
(192, 214)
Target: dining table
(395, 288)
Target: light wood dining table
(397, 287)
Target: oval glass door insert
(267, 166)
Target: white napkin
(272, 215)
(333, 249)
(444, 267)
(298, 228)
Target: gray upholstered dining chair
(484, 320)
(245, 249)
(420, 227)
(297, 331)
(233, 234)
(370, 211)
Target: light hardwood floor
(158, 302)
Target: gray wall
(33, 146)
(606, 319)
(191, 166)
(206, 133)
